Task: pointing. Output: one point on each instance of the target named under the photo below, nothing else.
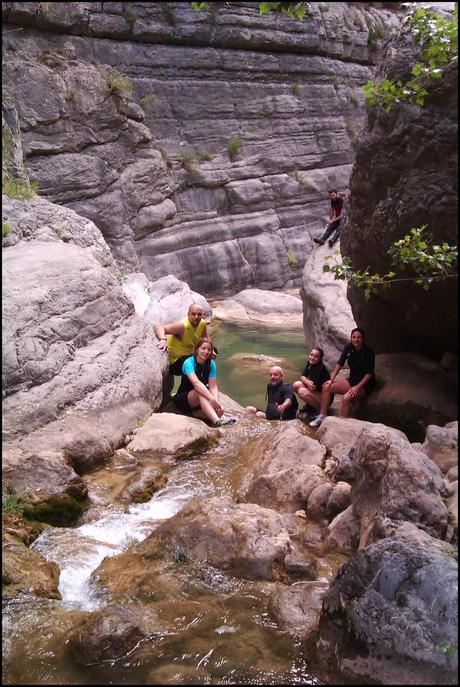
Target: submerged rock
(112, 634)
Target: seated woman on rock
(197, 394)
(309, 387)
(361, 360)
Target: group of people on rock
(192, 355)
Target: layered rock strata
(201, 144)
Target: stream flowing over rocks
(141, 546)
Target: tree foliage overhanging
(437, 37)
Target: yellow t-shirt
(178, 347)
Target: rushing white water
(80, 550)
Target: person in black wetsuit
(281, 401)
(310, 384)
(361, 360)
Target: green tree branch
(415, 252)
(438, 38)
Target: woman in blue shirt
(198, 395)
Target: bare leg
(347, 401)
(207, 410)
(341, 386)
(312, 398)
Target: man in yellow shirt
(180, 338)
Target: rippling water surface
(245, 380)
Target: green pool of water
(245, 380)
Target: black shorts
(181, 401)
(176, 367)
(272, 412)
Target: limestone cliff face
(405, 175)
(129, 111)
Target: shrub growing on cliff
(19, 188)
(118, 84)
(292, 259)
(6, 229)
(147, 100)
(11, 503)
(234, 145)
(293, 9)
(188, 158)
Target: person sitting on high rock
(281, 401)
(333, 225)
(361, 361)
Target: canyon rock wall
(406, 175)
(201, 144)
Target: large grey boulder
(327, 316)
(441, 445)
(391, 615)
(70, 341)
(46, 482)
(79, 367)
(26, 573)
(280, 469)
(276, 309)
(163, 300)
(170, 435)
(395, 482)
(243, 539)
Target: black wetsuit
(180, 399)
(360, 363)
(318, 374)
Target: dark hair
(320, 351)
(357, 329)
(332, 190)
